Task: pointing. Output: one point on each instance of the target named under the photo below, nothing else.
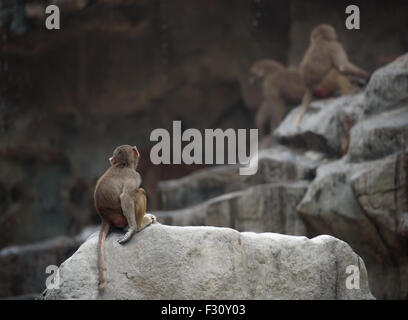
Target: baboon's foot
(148, 219)
(127, 236)
(152, 217)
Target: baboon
(120, 202)
(324, 54)
(283, 87)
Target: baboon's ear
(137, 154)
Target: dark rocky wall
(111, 74)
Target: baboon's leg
(128, 209)
(140, 208)
(305, 104)
(142, 219)
(330, 83)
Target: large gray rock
(261, 208)
(379, 136)
(277, 164)
(388, 87)
(164, 262)
(382, 192)
(357, 203)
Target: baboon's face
(258, 70)
(125, 156)
(323, 31)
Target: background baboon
(323, 54)
(119, 201)
(282, 87)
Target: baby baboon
(119, 201)
(323, 54)
(283, 87)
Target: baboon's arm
(341, 62)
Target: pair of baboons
(322, 72)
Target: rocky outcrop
(261, 208)
(165, 262)
(363, 205)
(325, 127)
(355, 188)
(379, 136)
(275, 165)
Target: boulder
(357, 203)
(382, 193)
(166, 262)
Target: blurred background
(116, 70)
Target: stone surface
(379, 136)
(340, 202)
(261, 208)
(325, 126)
(164, 262)
(382, 192)
(388, 87)
(277, 164)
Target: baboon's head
(125, 156)
(323, 31)
(262, 68)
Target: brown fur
(324, 54)
(283, 87)
(119, 201)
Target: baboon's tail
(101, 262)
